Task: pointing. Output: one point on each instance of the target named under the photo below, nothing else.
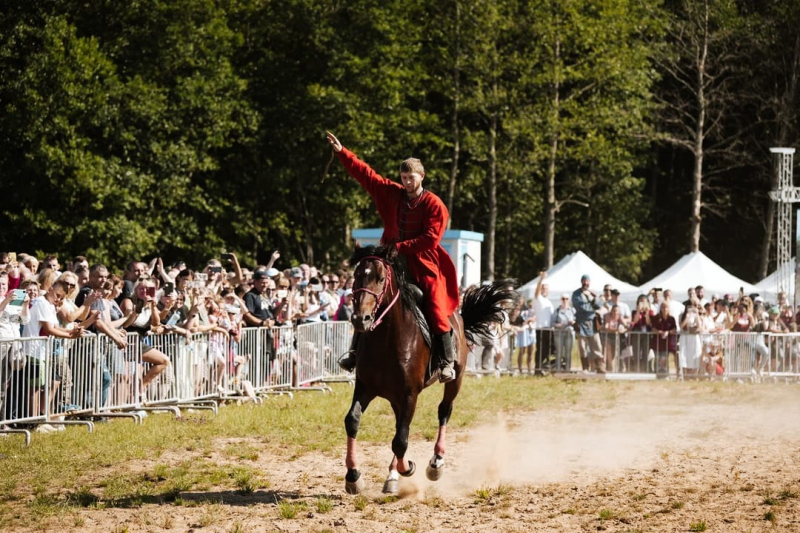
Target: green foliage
(182, 127)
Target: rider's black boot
(348, 360)
(448, 355)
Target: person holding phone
(142, 320)
(13, 312)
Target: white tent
(695, 269)
(565, 277)
(768, 287)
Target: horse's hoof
(353, 482)
(390, 486)
(411, 469)
(435, 468)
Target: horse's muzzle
(362, 323)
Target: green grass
(698, 526)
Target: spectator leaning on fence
(259, 311)
(664, 342)
(142, 320)
(44, 323)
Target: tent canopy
(768, 287)
(695, 269)
(565, 277)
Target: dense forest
(635, 130)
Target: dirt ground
(637, 457)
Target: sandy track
(636, 457)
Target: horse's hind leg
(436, 464)
(354, 483)
(400, 466)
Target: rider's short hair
(412, 164)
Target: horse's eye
(382, 279)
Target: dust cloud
(644, 425)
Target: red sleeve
(376, 185)
(430, 239)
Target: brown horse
(394, 360)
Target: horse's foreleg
(354, 483)
(400, 466)
(436, 464)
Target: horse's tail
(486, 305)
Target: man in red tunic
(415, 219)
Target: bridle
(378, 296)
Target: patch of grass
(83, 497)
(639, 497)
(770, 500)
(698, 526)
(607, 514)
(360, 502)
(770, 516)
(787, 494)
(390, 498)
(237, 527)
(569, 511)
(244, 452)
(78, 521)
(168, 523)
(323, 505)
(676, 505)
(287, 509)
(434, 501)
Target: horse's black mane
(406, 294)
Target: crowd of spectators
(612, 336)
(80, 298)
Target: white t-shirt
(543, 308)
(41, 312)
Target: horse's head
(374, 286)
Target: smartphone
(227, 257)
(150, 291)
(169, 288)
(19, 297)
(201, 276)
(215, 269)
(281, 294)
(139, 306)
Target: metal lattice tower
(785, 195)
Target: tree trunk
(550, 183)
(451, 189)
(699, 135)
(490, 230)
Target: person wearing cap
(345, 310)
(586, 305)
(260, 313)
(414, 222)
(563, 326)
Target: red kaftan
(423, 226)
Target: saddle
(419, 315)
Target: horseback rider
(415, 220)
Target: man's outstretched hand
(335, 144)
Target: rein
(379, 297)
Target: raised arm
(542, 275)
(372, 182)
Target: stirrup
(447, 373)
(348, 361)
